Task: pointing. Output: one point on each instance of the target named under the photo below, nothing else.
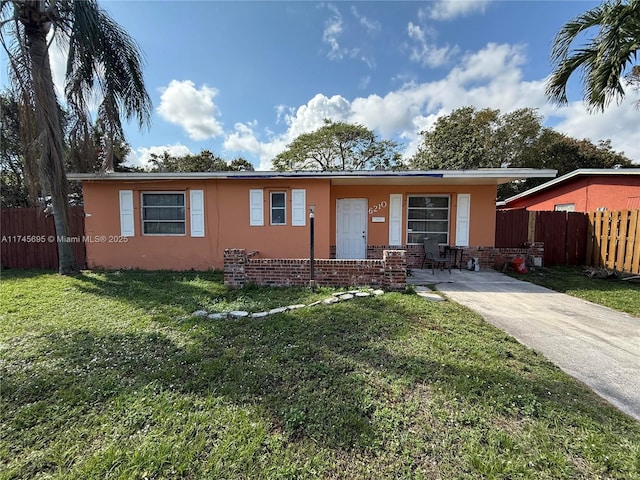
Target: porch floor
(425, 277)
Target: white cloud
(306, 118)
(488, 78)
(281, 112)
(450, 9)
(332, 31)
(426, 53)
(311, 116)
(244, 139)
(493, 61)
(193, 109)
(140, 157)
(364, 82)
(371, 26)
(334, 27)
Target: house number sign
(378, 207)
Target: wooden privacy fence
(564, 234)
(29, 238)
(614, 240)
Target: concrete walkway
(596, 345)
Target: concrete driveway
(596, 345)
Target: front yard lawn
(613, 293)
(108, 376)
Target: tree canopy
(339, 146)
(18, 186)
(20, 180)
(470, 139)
(604, 59)
(205, 161)
(560, 152)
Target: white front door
(351, 228)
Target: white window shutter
(196, 207)
(256, 208)
(298, 207)
(462, 219)
(395, 219)
(127, 227)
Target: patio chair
(435, 256)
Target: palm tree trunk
(32, 15)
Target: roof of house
(484, 176)
(581, 172)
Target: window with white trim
(278, 208)
(427, 216)
(163, 213)
(565, 207)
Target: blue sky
(246, 78)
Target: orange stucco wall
(272, 241)
(588, 194)
(482, 215)
(226, 211)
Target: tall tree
(15, 179)
(560, 152)
(604, 59)
(102, 57)
(205, 161)
(240, 165)
(468, 138)
(339, 146)
(19, 154)
(93, 149)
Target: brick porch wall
(491, 257)
(488, 257)
(389, 272)
(414, 253)
(533, 254)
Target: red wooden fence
(564, 234)
(511, 228)
(29, 238)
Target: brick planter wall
(389, 272)
(533, 254)
(414, 253)
(488, 257)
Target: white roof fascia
(497, 173)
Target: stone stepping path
(428, 294)
(334, 298)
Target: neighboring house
(583, 190)
(186, 221)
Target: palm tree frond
(603, 60)
(101, 51)
(570, 31)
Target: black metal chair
(434, 256)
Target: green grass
(107, 376)
(613, 293)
